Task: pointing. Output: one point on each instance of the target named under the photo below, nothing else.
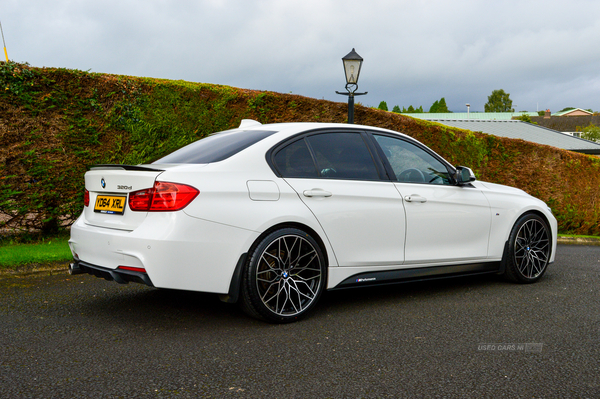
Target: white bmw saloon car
(270, 216)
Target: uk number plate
(114, 205)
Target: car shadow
(148, 307)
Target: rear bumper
(119, 276)
(175, 250)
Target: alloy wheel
(288, 275)
(532, 249)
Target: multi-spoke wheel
(529, 249)
(284, 277)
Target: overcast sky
(546, 54)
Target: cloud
(542, 53)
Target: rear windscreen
(216, 147)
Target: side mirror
(464, 175)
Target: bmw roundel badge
(103, 183)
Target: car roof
(287, 129)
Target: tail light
(86, 198)
(163, 197)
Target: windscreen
(216, 147)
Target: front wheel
(529, 249)
(284, 277)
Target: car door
(335, 174)
(444, 222)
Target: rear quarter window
(294, 160)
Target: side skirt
(418, 274)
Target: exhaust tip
(74, 269)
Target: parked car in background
(270, 216)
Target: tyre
(529, 249)
(284, 277)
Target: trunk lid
(109, 187)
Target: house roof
(569, 111)
(471, 115)
(515, 129)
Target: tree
(591, 133)
(526, 118)
(499, 101)
(434, 107)
(413, 110)
(383, 106)
(439, 107)
(442, 107)
(396, 109)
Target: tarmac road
(67, 336)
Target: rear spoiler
(125, 167)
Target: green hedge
(58, 122)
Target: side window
(412, 164)
(343, 156)
(295, 160)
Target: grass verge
(15, 255)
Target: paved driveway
(79, 336)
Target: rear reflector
(86, 198)
(132, 269)
(163, 197)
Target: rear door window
(335, 155)
(343, 156)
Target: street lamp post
(352, 64)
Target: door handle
(317, 192)
(415, 198)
